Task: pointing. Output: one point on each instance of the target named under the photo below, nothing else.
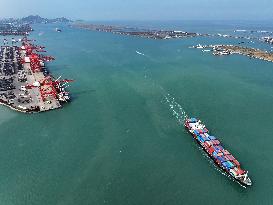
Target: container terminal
(25, 83)
(221, 157)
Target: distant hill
(38, 19)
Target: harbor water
(121, 140)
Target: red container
(211, 150)
(217, 142)
(231, 157)
(240, 171)
(236, 163)
(207, 144)
(226, 152)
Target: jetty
(25, 83)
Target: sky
(141, 9)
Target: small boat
(58, 30)
(139, 53)
(199, 46)
(212, 146)
(240, 30)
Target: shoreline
(18, 109)
(143, 33)
(225, 50)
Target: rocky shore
(220, 50)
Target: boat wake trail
(177, 110)
(139, 53)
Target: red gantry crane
(36, 60)
(47, 86)
(53, 88)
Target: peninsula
(221, 50)
(145, 33)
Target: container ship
(212, 146)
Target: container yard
(25, 83)
(221, 157)
(14, 29)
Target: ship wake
(176, 109)
(139, 53)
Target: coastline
(224, 50)
(144, 33)
(18, 109)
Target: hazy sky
(141, 9)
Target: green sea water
(120, 141)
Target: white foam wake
(139, 53)
(177, 110)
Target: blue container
(219, 148)
(193, 120)
(226, 165)
(212, 137)
(206, 139)
(221, 159)
(200, 139)
(214, 154)
(216, 150)
(230, 164)
(196, 132)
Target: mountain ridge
(31, 19)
